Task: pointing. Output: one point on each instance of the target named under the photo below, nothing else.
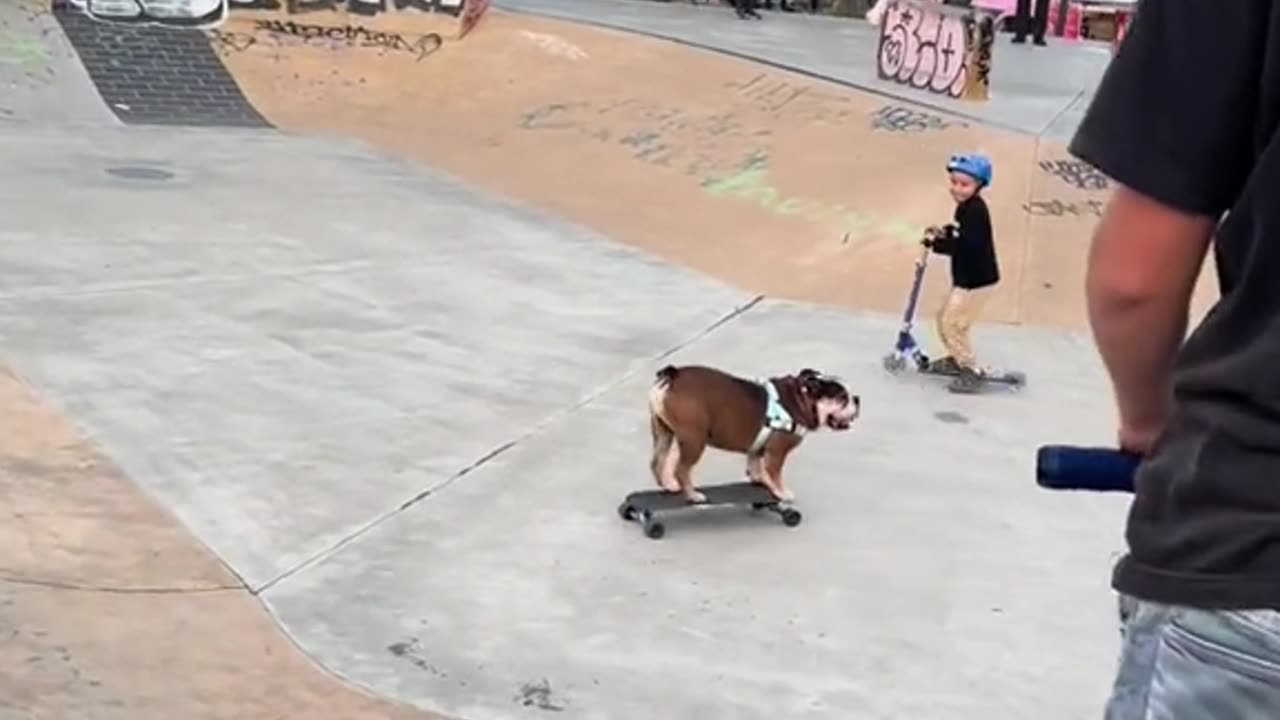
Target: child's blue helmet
(974, 165)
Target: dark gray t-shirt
(1187, 114)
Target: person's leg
(1021, 20)
(876, 14)
(1178, 662)
(1040, 24)
(946, 324)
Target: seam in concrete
(115, 590)
(537, 429)
(812, 74)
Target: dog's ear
(810, 380)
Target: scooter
(906, 349)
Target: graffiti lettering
(783, 100)
(1058, 208)
(232, 42)
(1077, 173)
(171, 13)
(355, 7)
(897, 118)
(923, 48)
(697, 145)
(350, 36)
(751, 183)
(555, 46)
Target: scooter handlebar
(1065, 467)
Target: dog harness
(776, 418)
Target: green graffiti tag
(21, 50)
(751, 183)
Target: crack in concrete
(551, 419)
(116, 590)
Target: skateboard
(644, 506)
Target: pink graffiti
(924, 49)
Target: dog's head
(833, 405)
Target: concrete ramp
(323, 410)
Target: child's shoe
(967, 382)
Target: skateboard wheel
(654, 530)
(624, 511)
(791, 518)
(894, 362)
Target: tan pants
(955, 318)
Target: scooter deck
(987, 375)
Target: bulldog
(694, 406)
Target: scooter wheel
(894, 362)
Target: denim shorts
(1181, 663)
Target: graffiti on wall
(332, 37)
(355, 7)
(929, 49)
(724, 153)
(171, 13)
(902, 119)
(923, 49)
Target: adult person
(1191, 140)
(1024, 22)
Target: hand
(1139, 439)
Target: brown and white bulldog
(694, 406)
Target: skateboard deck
(643, 506)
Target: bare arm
(1142, 269)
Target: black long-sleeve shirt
(971, 245)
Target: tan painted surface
(653, 144)
(110, 610)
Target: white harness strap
(776, 418)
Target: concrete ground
(331, 420)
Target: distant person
(1024, 22)
(746, 9)
(1199, 589)
(970, 243)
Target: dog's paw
(695, 497)
(784, 494)
(671, 485)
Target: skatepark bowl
(326, 330)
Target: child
(974, 269)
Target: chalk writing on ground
(789, 101)
(725, 151)
(898, 118)
(1076, 173)
(20, 50)
(553, 45)
(1059, 208)
(751, 183)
